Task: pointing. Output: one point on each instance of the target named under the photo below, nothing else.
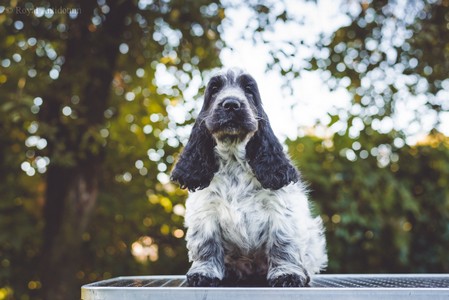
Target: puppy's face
(231, 102)
(232, 113)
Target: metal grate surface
(354, 286)
(381, 281)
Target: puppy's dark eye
(249, 89)
(214, 88)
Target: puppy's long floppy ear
(197, 163)
(267, 158)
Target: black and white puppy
(247, 214)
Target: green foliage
(385, 208)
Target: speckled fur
(251, 223)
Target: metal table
(353, 286)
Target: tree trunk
(71, 197)
(75, 158)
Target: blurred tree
(383, 195)
(58, 62)
(392, 58)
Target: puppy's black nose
(231, 104)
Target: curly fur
(247, 215)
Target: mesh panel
(318, 281)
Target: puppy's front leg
(206, 253)
(285, 266)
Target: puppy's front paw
(289, 280)
(199, 280)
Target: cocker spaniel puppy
(247, 215)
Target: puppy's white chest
(242, 212)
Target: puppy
(248, 218)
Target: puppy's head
(232, 111)
(230, 107)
